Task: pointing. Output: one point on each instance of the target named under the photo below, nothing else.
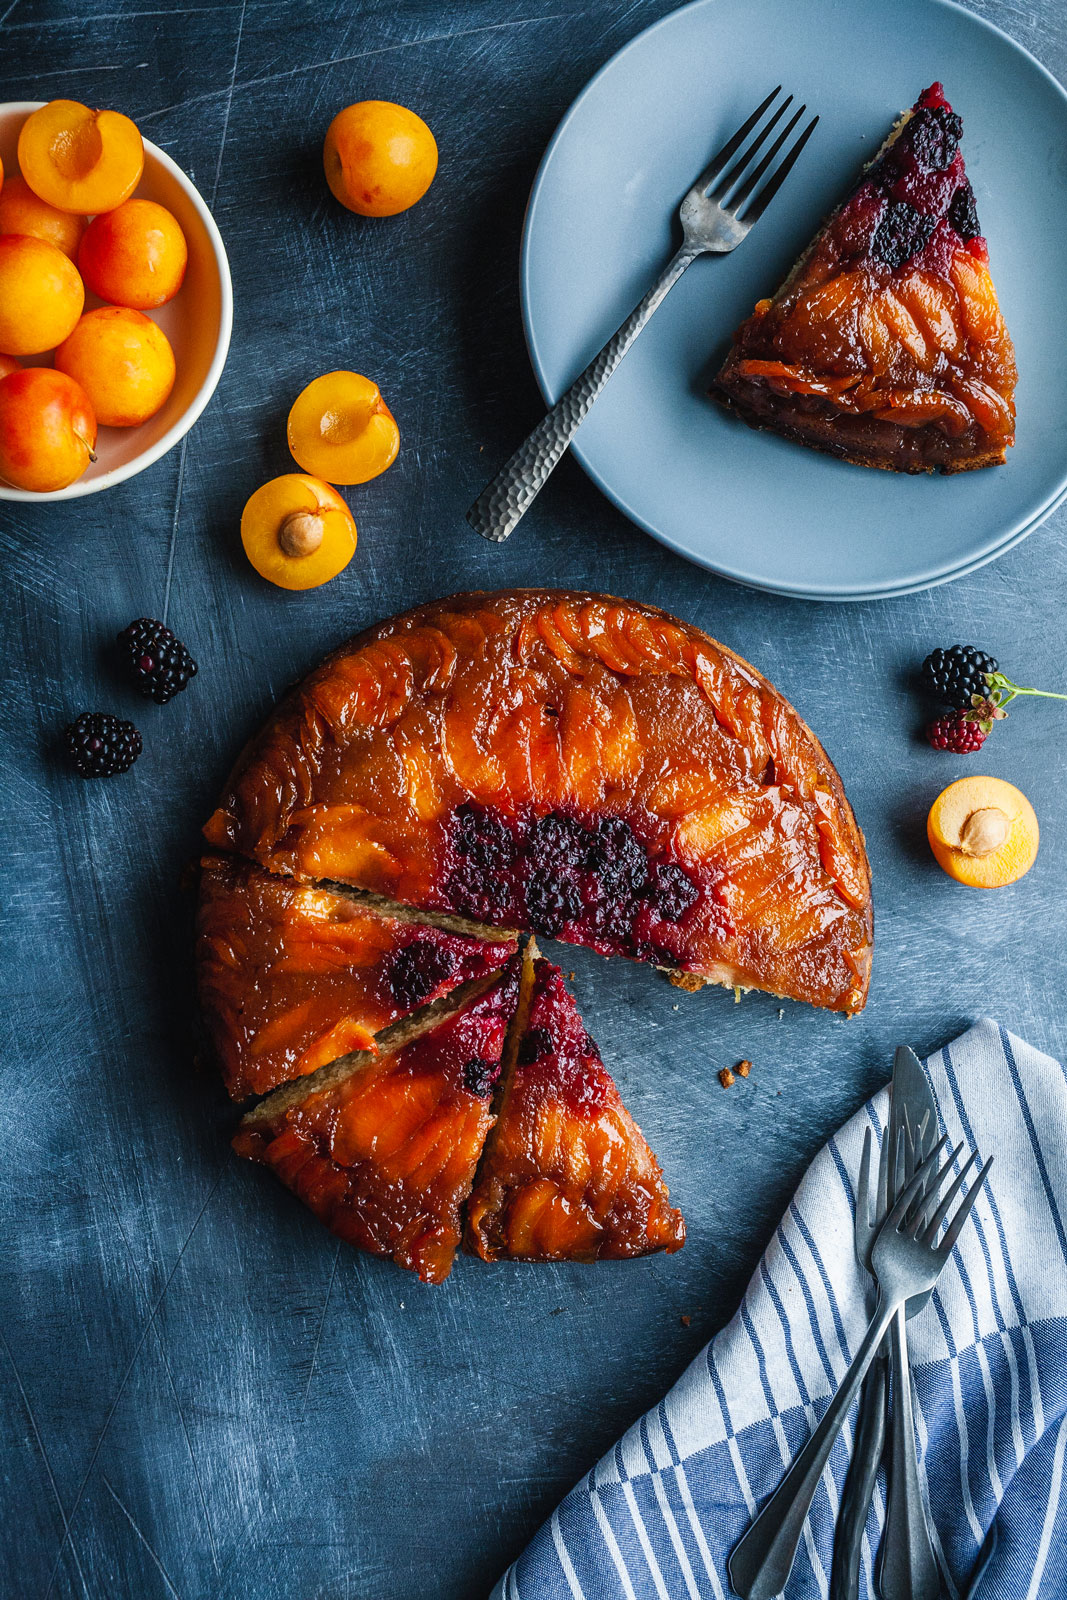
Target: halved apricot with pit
(78, 159)
(297, 531)
(983, 832)
(47, 429)
(341, 429)
(41, 295)
(21, 211)
(134, 256)
(124, 363)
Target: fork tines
(717, 183)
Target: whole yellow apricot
(41, 295)
(297, 531)
(21, 211)
(79, 159)
(135, 255)
(983, 832)
(341, 429)
(124, 363)
(379, 158)
(47, 429)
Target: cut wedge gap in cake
(885, 345)
(293, 976)
(567, 1174)
(384, 1148)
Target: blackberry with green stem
(956, 674)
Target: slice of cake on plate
(293, 976)
(567, 1174)
(886, 345)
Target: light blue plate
(600, 225)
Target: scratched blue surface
(200, 1394)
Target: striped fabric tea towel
(658, 1516)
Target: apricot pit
(983, 832)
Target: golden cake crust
(527, 704)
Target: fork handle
(867, 1450)
(760, 1564)
(499, 507)
(909, 1569)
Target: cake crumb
(684, 1320)
(781, 1012)
(744, 1068)
(726, 1077)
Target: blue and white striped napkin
(659, 1515)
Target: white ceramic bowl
(197, 322)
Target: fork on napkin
(660, 1513)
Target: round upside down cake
(580, 767)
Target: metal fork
(719, 210)
(906, 1260)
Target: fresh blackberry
(955, 732)
(934, 135)
(901, 234)
(100, 745)
(557, 842)
(483, 837)
(536, 1042)
(672, 891)
(957, 674)
(158, 663)
(479, 1076)
(551, 900)
(963, 212)
(415, 971)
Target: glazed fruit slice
(886, 344)
(292, 977)
(567, 1175)
(383, 1149)
(587, 767)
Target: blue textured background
(200, 1393)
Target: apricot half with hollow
(47, 429)
(79, 159)
(379, 158)
(341, 429)
(983, 832)
(21, 211)
(297, 531)
(41, 295)
(124, 363)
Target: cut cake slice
(886, 345)
(383, 1148)
(567, 1174)
(292, 977)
